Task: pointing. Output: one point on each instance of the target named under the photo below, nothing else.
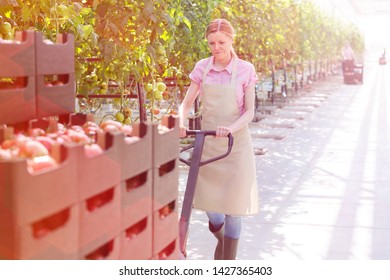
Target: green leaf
(26, 13)
(87, 31)
(63, 10)
(187, 22)
(164, 35)
(85, 11)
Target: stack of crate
(30, 61)
(165, 189)
(39, 216)
(55, 63)
(121, 204)
(136, 184)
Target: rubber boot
(229, 248)
(218, 233)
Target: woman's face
(220, 45)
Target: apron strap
(207, 70)
(233, 80)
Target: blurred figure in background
(382, 58)
(348, 57)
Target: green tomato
(119, 117)
(149, 87)
(161, 87)
(157, 94)
(8, 36)
(6, 28)
(104, 85)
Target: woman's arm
(246, 117)
(185, 106)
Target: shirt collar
(228, 68)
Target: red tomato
(41, 162)
(92, 150)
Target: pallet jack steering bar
(195, 163)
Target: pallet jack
(195, 163)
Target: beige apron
(228, 185)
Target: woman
(227, 188)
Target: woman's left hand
(222, 131)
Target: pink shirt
(246, 75)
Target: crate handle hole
(49, 224)
(167, 251)
(56, 80)
(136, 229)
(166, 167)
(102, 252)
(167, 210)
(100, 200)
(136, 181)
(9, 83)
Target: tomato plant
(151, 40)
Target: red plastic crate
(136, 198)
(26, 197)
(18, 59)
(18, 104)
(50, 237)
(165, 226)
(100, 217)
(136, 157)
(56, 57)
(165, 183)
(166, 144)
(136, 240)
(99, 173)
(57, 99)
(133, 158)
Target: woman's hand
(223, 131)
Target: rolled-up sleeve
(252, 76)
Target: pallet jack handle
(195, 163)
(199, 139)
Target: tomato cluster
(6, 30)
(38, 146)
